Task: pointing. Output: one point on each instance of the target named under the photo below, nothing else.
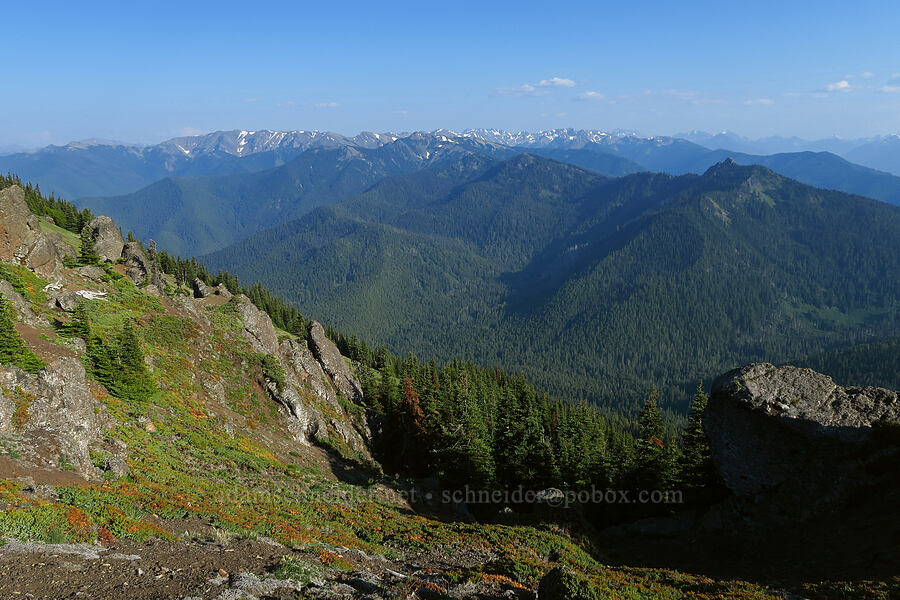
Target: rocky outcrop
(22, 306)
(201, 290)
(140, 269)
(21, 239)
(258, 329)
(108, 240)
(55, 412)
(333, 363)
(308, 393)
(793, 440)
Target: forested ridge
(487, 427)
(594, 288)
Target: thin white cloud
(867, 74)
(188, 131)
(761, 101)
(890, 89)
(400, 111)
(590, 96)
(522, 90)
(541, 88)
(556, 82)
(250, 100)
(326, 105)
(839, 86)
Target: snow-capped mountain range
(103, 168)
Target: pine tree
(87, 254)
(13, 350)
(80, 325)
(654, 460)
(696, 467)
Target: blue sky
(147, 71)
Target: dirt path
(128, 570)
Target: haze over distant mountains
(102, 168)
(236, 183)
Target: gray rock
(791, 439)
(68, 301)
(19, 227)
(78, 345)
(258, 328)
(152, 290)
(21, 239)
(117, 465)
(107, 238)
(137, 267)
(307, 387)
(140, 269)
(365, 583)
(22, 306)
(201, 290)
(333, 363)
(221, 290)
(92, 272)
(64, 417)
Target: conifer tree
(654, 466)
(696, 467)
(87, 254)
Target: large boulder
(333, 363)
(19, 229)
(54, 412)
(793, 440)
(21, 239)
(108, 240)
(142, 271)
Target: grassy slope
(255, 481)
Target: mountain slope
(548, 269)
(819, 169)
(103, 169)
(883, 154)
(201, 214)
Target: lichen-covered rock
(54, 411)
(333, 363)
(107, 238)
(793, 436)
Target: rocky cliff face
(21, 239)
(55, 413)
(794, 441)
(312, 386)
